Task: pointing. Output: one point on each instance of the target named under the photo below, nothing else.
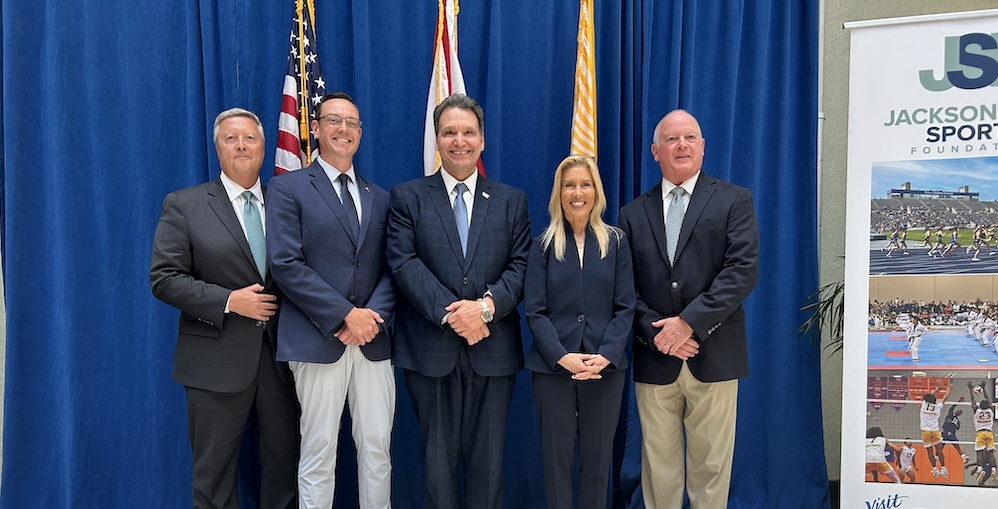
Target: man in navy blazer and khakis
(327, 253)
(457, 331)
(689, 325)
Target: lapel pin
(485, 195)
(367, 189)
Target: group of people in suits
(428, 278)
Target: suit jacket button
(675, 285)
(581, 318)
(352, 298)
(465, 281)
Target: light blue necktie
(254, 233)
(674, 221)
(461, 216)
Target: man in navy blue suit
(457, 247)
(327, 253)
(695, 246)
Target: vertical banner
(921, 304)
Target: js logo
(971, 62)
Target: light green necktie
(254, 233)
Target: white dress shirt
(235, 193)
(333, 174)
(667, 188)
(469, 198)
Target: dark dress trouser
(462, 416)
(587, 410)
(216, 421)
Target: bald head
(678, 146)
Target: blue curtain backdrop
(107, 107)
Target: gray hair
(236, 112)
(459, 101)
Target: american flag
(303, 89)
(446, 79)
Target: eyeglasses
(336, 121)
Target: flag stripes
(303, 89)
(584, 106)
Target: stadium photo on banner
(933, 303)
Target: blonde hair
(554, 234)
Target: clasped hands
(360, 327)
(675, 338)
(584, 366)
(465, 317)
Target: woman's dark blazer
(586, 309)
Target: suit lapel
(655, 213)
(698, 201)
(480, 208)
(441, 200)
(366, 207)
(219, 202)
(325, 188)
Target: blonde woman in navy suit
(579, 300)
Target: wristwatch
(486, 312)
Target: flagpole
(302, 85)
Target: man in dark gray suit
(695, 246)
(457, 248)
(327, 252)
(209, 261)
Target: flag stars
(310, 58)
(319, 82)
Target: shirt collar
(450, 182)
(233, 190)
(333, 173)
(689, 184)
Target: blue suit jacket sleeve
(737, 277)
(314, 296)
(508, 289)
(535, 306)
(412, 276)
(614, 343)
